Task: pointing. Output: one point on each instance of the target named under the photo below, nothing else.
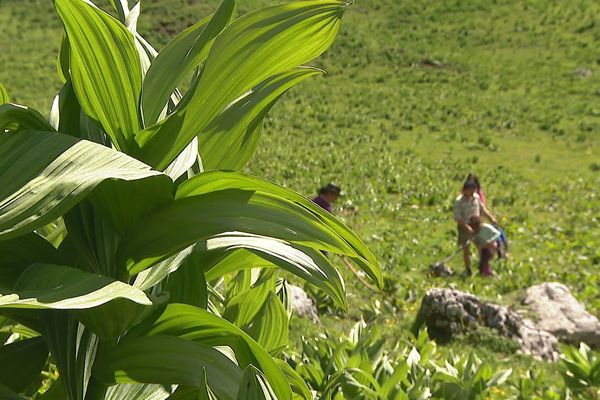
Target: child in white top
(485, 236)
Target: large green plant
(121, 214)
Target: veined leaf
(21, 252)
(201, 216)
(254, 386)
(168, 359)
(195, 324)
(4, 98)
(122, 9)
(214, 203)
(7, 394)
(73, 348)
(16, 118)
(219, 262)
(43, 174)
(304, 262)
(155, 274)
(298, 385)
(179, 57)
(137, 391)
(187, 284)
(62, 61)
(270, 327)
(105, 69)
(251, 49)
(93, 238)
(184, 161)
(218, 180)
(230, 140)
(60, 287)
(190, 393)
(243, 307)
(22, 362)
(112, 319)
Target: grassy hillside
(418, 94)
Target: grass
(418, 94)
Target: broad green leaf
(4, 98)
(68, 112)
(112, 319)
(16, 118)
(93, 238)
(73, 349)
(219, 262)
(105, 69)
(217, 180)
(21, 252)
(122, 9)
(270, 327)
(137, 391)
(230, 140)
(254, 386)
(235, 206)
(242, 308)
(59, 287)
(203, 392)
(7, 394)
(214, 203)
(168, 360)
(123, 202)
(155, 274)
(187, 284)
(43, 174)
(195, 324)
(304, 262)
(184, 161)
(22, 363)
(499, 378)
(179, 57)
(252, 48)
(62, 61)
(298, 384)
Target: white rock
(559, 313)
(302, 305)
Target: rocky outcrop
(559, 313)
(302, 305)
(448, 312)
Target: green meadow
(417, 95)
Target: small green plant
(581, 370)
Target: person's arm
(488, 214)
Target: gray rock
(448, 312)
(583, 72)
(302, 305)
(559, 313)
(440, 269)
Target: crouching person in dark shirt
(327, 196)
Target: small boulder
(302, 305)
(583, 72)
(559, 313)
(440, 270)
(448, 312)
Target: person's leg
(486, 255)
(463, 237)
(467, 258)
